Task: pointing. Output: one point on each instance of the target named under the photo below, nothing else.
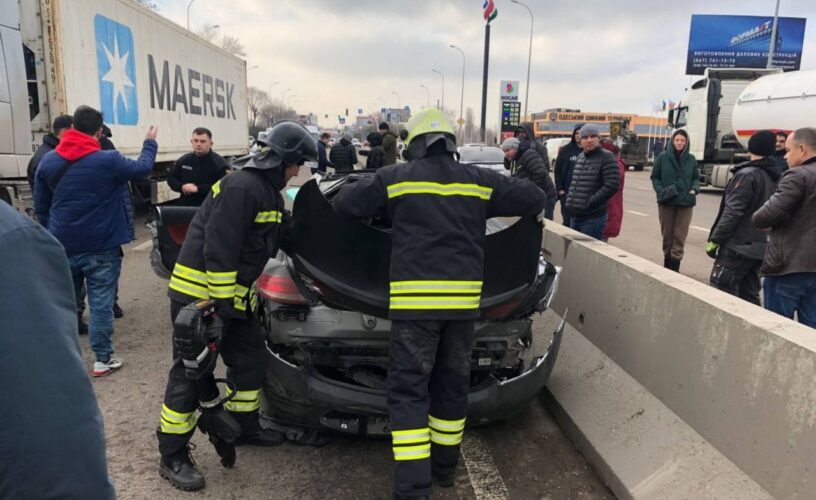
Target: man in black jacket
(564, 168)
(524, 132)
(194, 173)
(435, 289)
(49, 142)
(322, 158)
(734, 241)
(343, 154)
(524, 162)
(594, 181)
(779, 154)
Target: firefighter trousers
(243, 351)
(428, 381)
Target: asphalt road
(525, 457)
(640, 231)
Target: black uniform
(742, 246)
(233, 235)
(438, 208)
(203, 171)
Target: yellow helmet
(431, 125)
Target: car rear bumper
(304, 397)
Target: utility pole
(529, 57)
(443, 86)
(772, 46)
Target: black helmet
(287, 142)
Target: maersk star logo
(116, 66)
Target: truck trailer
(134, 65)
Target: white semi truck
(136, 66)
(721, 111)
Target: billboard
(743, 42)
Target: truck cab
(705, 114)
(15, 107)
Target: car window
(481, 155)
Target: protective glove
(712, 249)
(541, 218)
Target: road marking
(143, 246)
(484, 477)
(643, 188)
(700, 228)
(637, 213)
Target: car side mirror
(671, 117)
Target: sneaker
(101, 369)
(181, 471)
(117, 311)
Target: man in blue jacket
(79, 199)
(46, 453)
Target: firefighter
(438, 208)
(230, 239)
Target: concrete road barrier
(741, 377)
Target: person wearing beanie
(389, 143)
(595, 180)
(343, 154)
(676, 181)
(736, 245)
(524, 162)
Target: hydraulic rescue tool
(196, 336)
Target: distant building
(559, 123)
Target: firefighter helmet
(287, 143)
(425, 128)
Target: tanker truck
(136, 66)
(722, 111)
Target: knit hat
(588, 130)
(762, 143)
(510, 143)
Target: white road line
(637, 213)
(143, 246)
(704, 229)
(484, 477)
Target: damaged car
(324, 310)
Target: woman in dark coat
(614, 207)
(676, 180)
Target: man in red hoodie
(78, 198)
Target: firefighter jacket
(230, 239)
(438, 210)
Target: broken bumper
(301, 396)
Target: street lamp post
(443, 86)
(188, 14)
(772, 46)
(529, 57)
(269, 90)
(398, 99)
(462, 94)
(427, 95)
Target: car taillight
(501, 310)
(177, 232)
(280, 288)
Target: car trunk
(346, 262)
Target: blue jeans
(792, 292)
(593, 226)
(99, 273)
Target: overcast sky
(596, 55)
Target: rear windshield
(481, 155)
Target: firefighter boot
(262, 437)
(181, 470)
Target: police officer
(435, 288)
(230, 239)
(194, 173)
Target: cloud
(595, 55)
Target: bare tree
(256, 99)
(208, 32)
(232, 45)
(274, 111)
(469, 130)
(150, 4)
